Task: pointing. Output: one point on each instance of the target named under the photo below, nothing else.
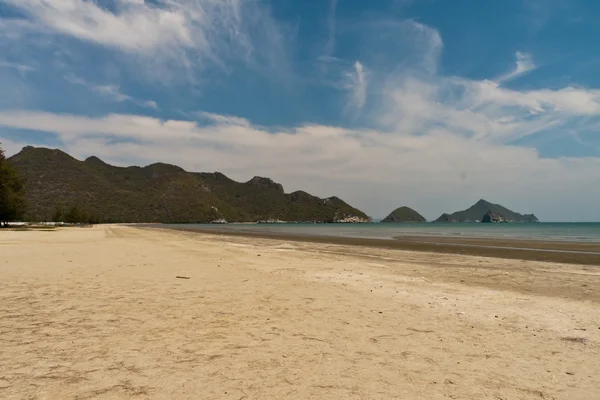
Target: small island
(403, 215)
(484, 211)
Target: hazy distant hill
(486, 210)
(161, 193)
(404, 214)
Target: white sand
(97, 313)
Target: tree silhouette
(12, 193)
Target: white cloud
(112, 92)
(524, 65)
(372, 169)
(482, 110)
(136, 26)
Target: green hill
(404, 214)
(57, 182)
(484, 210)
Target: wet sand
(533, 250)
(100, 313)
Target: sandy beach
(117, 312)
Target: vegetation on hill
(484, 210)
(404, 214)
(60, 187)
(12, 193)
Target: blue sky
(427, 103)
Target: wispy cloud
(112, 92)
(524, 65)
(22, 68)
(151, 104)
(357, 86)
(482, 110)
(135, 26)
(171, 34)
(222, 119)
(17, 29)
(541, 12)
(330, 43)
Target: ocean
(546, 231)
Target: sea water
(550, 231)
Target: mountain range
(59, 187)
(57, 183)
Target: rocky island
(402, 215)
(484, 211)
(59, 186)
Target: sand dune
(98, 313)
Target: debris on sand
(574, 339)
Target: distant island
(402, 215)
(484, 211)
(59, 187)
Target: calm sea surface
(576, 232)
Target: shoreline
(580, 253)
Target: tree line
(73, 215)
